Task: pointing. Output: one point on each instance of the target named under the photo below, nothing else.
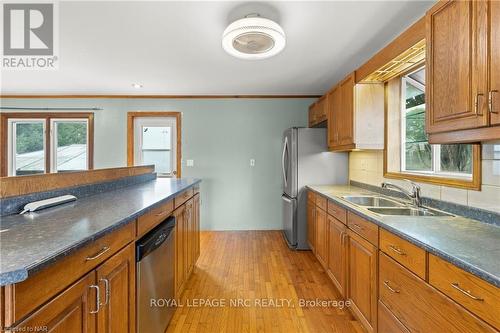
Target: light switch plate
(189, 163)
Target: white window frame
(11, 146)
(53, 140)
(435, 148)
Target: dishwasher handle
(154, 239)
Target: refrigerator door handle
(285, 148)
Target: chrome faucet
(413, 195)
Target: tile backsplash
(368, 167)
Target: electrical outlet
(252, 162)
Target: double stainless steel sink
(385, 206)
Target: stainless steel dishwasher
(155, 278)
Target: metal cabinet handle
(476, 104)
(466, 292)
(490, 101)
(107, 293)
(98, 254)
(397, 250)
(357, 226)
(97, 298)
(392, 290)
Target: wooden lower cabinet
(321, 236)
(362, 280)
(311, 222)
(420, 307)
(71, 311)
(180, 272)
(116, 280)
(387, 322)
(187, 242)
(337, 252)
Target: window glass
(456, 158)
(28, 147)
(71, 145)
(418, 154)
(157, 148)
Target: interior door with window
(155, 142)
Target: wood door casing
(321, 236)
(456, 66)
(117, 313)
(337, 254)
(494, 60)
(362, 280)
(68, 312)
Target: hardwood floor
(256, 266)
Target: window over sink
(408, 153)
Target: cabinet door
(311, 223)
(456, 66)
(179, 249)
(494, 94)
(116, 280)
(196, 208)
(68, 312)
(420, 307)
(362, 280)
(337, 253)
(188, 249)
(321, 236)
(321, 109)
(345, 119)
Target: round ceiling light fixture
(253, 37)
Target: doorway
(155, 138)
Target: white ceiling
(175, 47)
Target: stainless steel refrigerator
(305, 160)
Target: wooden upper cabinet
(456, 75)
(462, 70)
(116, 279)
(494, 58)
(355, 115)
(318, 112)
(345, 118)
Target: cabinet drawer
(362, 227)
(196, 189)
(151, 219)
(24, 297)
(407, 254)
(420, 307)
(387, 322)
(338, 212)
(321, 202)
(474, 294)
(183, 197)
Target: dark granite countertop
(471, 245)
(32, 241)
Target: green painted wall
(221, 136)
